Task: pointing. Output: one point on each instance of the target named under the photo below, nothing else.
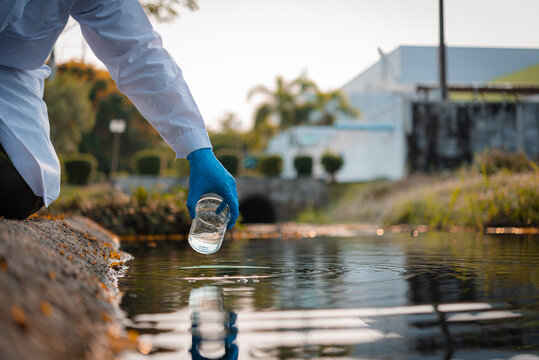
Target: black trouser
(17, 200)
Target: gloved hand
(207, 175)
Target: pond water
(435, 296)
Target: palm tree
(298, 102)
(287, 102)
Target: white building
(375, 145)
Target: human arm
(120, 34)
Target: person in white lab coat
(120, 35)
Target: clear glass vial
(208, 227)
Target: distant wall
(445, 135)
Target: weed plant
(491, 196)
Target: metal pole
(441, 53)
(115, 151)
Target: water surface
(436, 296)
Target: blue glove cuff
(194, 155)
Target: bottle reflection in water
(213, 330)
(208, 227)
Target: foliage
(80, 168)
(108, 103)
(331, 163)
(303, 165)
(167, 10)
(312, 216)
(229, 124)
(282, 102)
(298, 102)
(148, 162)
(478, 200)
(494, 160)
(145, 212)
(70, 111)
(230, 162)
(271, 165)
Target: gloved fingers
(233, 207)
(221, 207)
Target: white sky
(229, 46)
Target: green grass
(365, 202)
(474, 200)
(466, 198)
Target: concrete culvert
(257, 209)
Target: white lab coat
(121, 36)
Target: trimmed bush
(80, 168)
(303, 165)
(230, 162)
(331, 163)
(271, 165)
(148, 162)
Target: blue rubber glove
(207, 175)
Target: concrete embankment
(58, 290)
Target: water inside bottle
(207, 237)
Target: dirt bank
(58, 292)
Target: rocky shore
(58, 290)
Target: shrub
(494, 160)
(80, 168)
(230, 162)
(303, 165)
(148, 162)
(331, 163)
(271, 165)
(476, 202)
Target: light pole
(116, 127)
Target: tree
(298, 102)
(331, 163)
(286, 103)
(139, 133)
(108, 103)
(230, 123)
(167, 10)
(71, 114)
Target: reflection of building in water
(213, 329)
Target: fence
(446, 135)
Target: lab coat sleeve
(120, 34)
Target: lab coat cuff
(191, 141)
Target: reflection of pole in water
(213, 329)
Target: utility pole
(441, 54)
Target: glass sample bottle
(208, 227)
